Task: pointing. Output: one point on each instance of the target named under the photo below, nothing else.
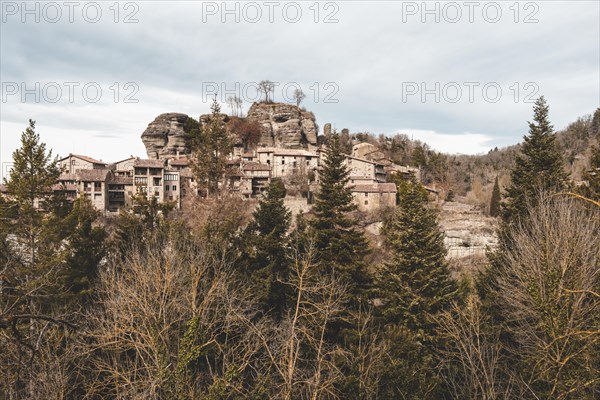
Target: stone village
(288, 149)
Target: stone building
(73, 162)
(374, 196)
(285, 163)
(92, 184)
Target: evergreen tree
(416, 282)
(210, 149)
(539, 167)
(30, 186)
(414, 286)
(266, 249)
(495, 201)
(85, 247)
(340, 245)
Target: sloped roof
(92, 175)
(287, 152)
(68, 187)
(67, 177)
(149, 163)
(256, 167)
(85, 158)
(180, 162)
(375, 188)
(121, 180)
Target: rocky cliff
(165, 136)
(284, 125)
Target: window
(174, 187)
(268, 162)
(167, 187)
(366, 194)
(73, 162)
(282, 170)
(283, 160)
(366, 202)
(157, 182)
(141, 181)
(97, 186)
(170, 177)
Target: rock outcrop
(165, 137)
(284, 125)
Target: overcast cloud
(365, 72)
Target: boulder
(165, 137)
(284, 125)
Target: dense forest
(214, 301)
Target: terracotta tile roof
(67, 177)
(67, 187)
(92, 175)
(120, 180)
(180, 162)
(256, 167)
(149, 163)
(287, 152)
(375, 188)
(85, 158)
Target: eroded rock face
(284, 125)
(165, 137)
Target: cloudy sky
(459, 75)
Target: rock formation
(284, 125)
(165, 137)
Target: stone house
(152, 178)
(374, 196)
(286, 163)
(255, 179)
(73, 162)
(92, 184)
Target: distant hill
(472, 176)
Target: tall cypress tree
(341, 245)
(266, 244)
(495, 201)
(540, 166)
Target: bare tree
(235, 105)
(169, 324)
(471, 359)
(299, 96)
(298, 352)
(266, 87)
(549, 291)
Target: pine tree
(210, 148)
(495, 201)
(266, 241)
(539, 167)
(415, 284)
(34, 170)
(85, 247)
(30, 186)
(341, 246)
